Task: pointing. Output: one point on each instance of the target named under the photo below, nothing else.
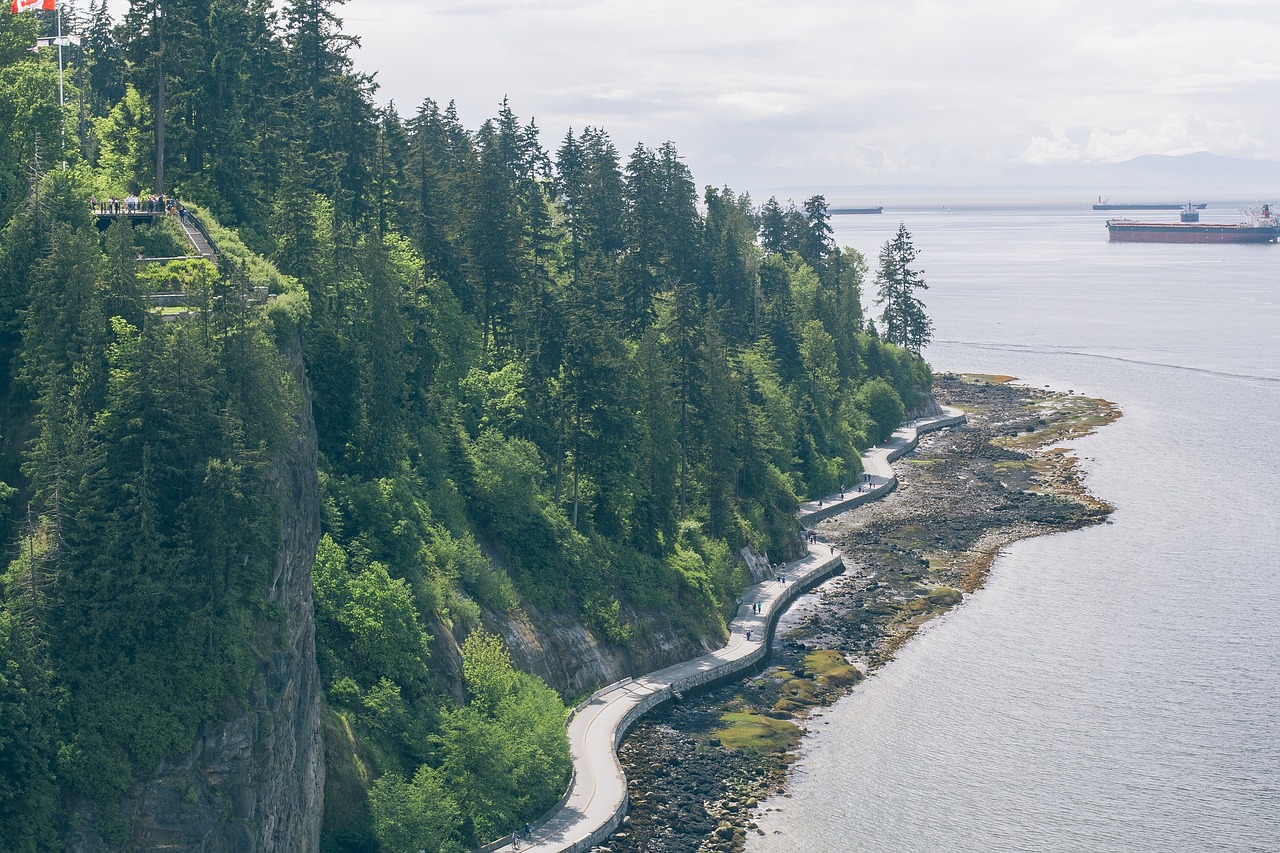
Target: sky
(760, 93)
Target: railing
(146, 210)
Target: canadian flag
(23, 5)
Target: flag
(23, 5)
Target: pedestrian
(528, 832)
(748, 635)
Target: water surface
(1115, 688)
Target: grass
(987, 378)
(830, 668)
(757, 733)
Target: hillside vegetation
(544, 382)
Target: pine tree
(904, 320)
(815, 241)
(732, 262)
(773, 227)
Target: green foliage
(904, 319)
(409, 817)
(196, 277)
(487, 671)
(882, 405)
(126, 147)
(29, 120)
(29, 711)
(237, 258)
(155, 513)
(162, 239)
(504, 756)
(368, 621)
(564, 386)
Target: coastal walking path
(596, 801)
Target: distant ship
(1260, 226)
(1106, 205)
(840, 211)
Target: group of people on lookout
(133, 204)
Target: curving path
(596, 801)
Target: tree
(732, 261)
(28, 747)
(905, 323)
(773, 227)
(409, 817)
(815, 241)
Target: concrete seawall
(875, 462)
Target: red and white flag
(23, 5)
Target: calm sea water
(1115, 688)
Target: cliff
(569, 656)
(255, 782)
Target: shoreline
(697, 773)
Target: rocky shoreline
(696, 770)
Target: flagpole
(62, 102)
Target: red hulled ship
(1261, 226)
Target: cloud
(767, 92)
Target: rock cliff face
(571, 658)
(256, 782)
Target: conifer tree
(773, 227)
(904, 320)
(815, 241)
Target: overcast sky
(764, 93)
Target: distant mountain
(1152, 177)
(1200, 173)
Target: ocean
(1113, 688)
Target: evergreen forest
(550, 380)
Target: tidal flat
(698, 770)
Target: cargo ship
(1260, 226)
(840, 211)
(1107, 205)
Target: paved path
(878, 477)
(593, 806)
(195, 237)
